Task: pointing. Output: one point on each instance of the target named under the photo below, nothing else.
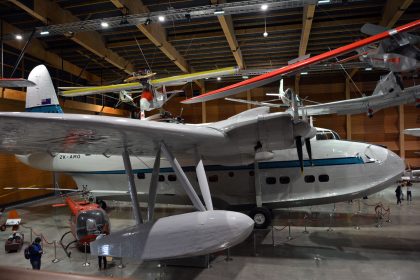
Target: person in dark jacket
(36, 253)
(398, 193)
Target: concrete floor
(388, 252)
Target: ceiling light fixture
(304, 73)
(264, 7)
(245, 77)
(324, 1)
(219, 78)
(265, 34)
(44, 32)
(219, 11)
(368, 69)
(105, 24)
(18, 37)
(161, 18)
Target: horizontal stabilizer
(372, 29)
(16, 83)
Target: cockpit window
(90, 222)
(327, 135)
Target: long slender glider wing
(169, 81)
(99, 89)
(186, 78)
(11, 82)
(257, 103)
(276, 74)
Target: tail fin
(42, 97)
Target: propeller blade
(298, 140)
(399, 81)
(309, 149)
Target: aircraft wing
(6, 82)
(363, 104)
(186, 78)
(24, 133)
(412, 131)
(342, 107)
(81, 91)
(292, 68)
(257, 103)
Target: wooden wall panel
(15, 174)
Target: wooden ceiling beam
(50, 12)
(217, 41)
(280, 28)
(308, 15)
(156, 34)
(38, 51)
(226, 23)
(393, 10)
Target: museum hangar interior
(327, 212)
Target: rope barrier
(38, 234)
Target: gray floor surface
(334, 248)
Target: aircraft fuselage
(340, 171)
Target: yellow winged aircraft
(151, 97)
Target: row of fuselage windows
(286, 179)
(268, 180)
(161, 178)
(172, 177)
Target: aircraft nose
(391, 164)
(395, 161)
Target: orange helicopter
(87, 221)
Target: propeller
(399, 81)
(298, 140)
(308, 149)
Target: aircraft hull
(353, 169)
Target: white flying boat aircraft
(252, 159)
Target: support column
(183, 179)
(297, 81)
(258, 191)
(401, 130)
(203, 105)
(203, 112)
(153, 187)
(204, 185)
(132, 188)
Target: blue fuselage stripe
(45, 109)
(261, 165)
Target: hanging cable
(144, 57)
